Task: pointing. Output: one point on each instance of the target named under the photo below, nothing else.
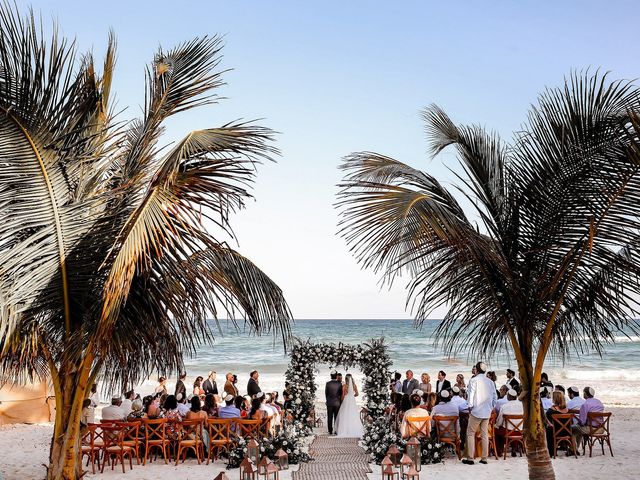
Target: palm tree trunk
(538, 458)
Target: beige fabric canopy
(29, 403)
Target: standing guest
(210, 406)
(544, 381)
(591, 404)
(512, 381)
(95, 396)
(410, 384)
(575, 400)
(512, 407)
(425, 384)
(196, 412)
(252, 385)
(474, 371)
(181, 389)
(396, 383)
(502, 397)
(415, 412)
(197, 387)
(229, 410)
(210, 386)
(137, 412)
(559, 407)
(444, 408)
(481, 395)
(457, 399)
(544, 398)
(183, 405)
(286, 396)
(128, 400)
(229, 387)
(162, 386)
(256, 413)
(87, 412)
(461, 385)
(114, 411)
(442, 383)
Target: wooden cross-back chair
(561, 425)
(190, 438)
(221, 436)
(131, 436)
(598, 423)
(248, 429)
(92, 445)
(418, 427)
(447, 431)
(490, 434)
(514, 425)
(114, 447)
(155, 438)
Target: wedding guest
(474, 371)
(95, 396)
(457, 399)
(442, 383)
(242, 405)
(276, 403)
(128, 401)
(410, 383)
(87, 415)
(512, 407)
(559, 406)
(114, 411)
(430, 401)
(414, 412)
(252, 385)
(229, 387)
(492, 376)
(502, 397)
(183, 405)
(481, 394)
(210, 386)
(591, 404)
(137, 411)
(162, 386)
(512, 381)
(197, 386)
(425, 384)
(170, 409)
(444, 408)
(210, 406)
(405, 403)
(196, 412)
(544, 381)
(229, 410)
(180, 386)
(575, 400)
(544, 398)
(256, 413)
(559, 388)
(396, 383)
(461, 385)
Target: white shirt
(481, 396)
(575, 403)
(448, 409)
(512, 407)
(460, 402)
(113, 412)
(183, 408)
(500, 402)
(546, 404)
(126, 406)
(95, 399)
(413, 412)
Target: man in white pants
(481, 396)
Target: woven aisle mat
(334, 459)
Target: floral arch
(370, 357)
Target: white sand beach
(25, 448)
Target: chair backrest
(249, 428)
(130, 431)
(113, 436)
(220, 429)
(265, 426)
(514, 424)
(447, 427)
(561, 424)
(89, 434)
(598, 423)
(191, 430)
(155, 429)
(418, 426)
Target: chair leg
(609, 443)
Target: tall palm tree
(107, 267)
(550, 266)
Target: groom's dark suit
(333, 394)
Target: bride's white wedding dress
(348, 424)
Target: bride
(348, 422)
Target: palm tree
(550, 266)
(107, 267)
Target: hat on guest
(189, 397)
(417, 391)
(179, 397)
(228, 398)
(444, 393)
(512, 393)
(455, 389)
(591, 391)
(259, 395)
(574, 390)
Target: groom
(333, 394)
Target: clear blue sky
(335, 77)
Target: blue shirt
(481, 396)
(228, 412)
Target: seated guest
(170, 409)
(457, 400)
(591, 404)
(502, 397)
(155, 407)
(197, 387)
(276, 402)
(575, 400)
(405, 403)
(256, 413)
(544, 398)
(195, 411)
(559, 388)
(210, 407)
(559, 406)
(87, 412)
(242, 405)
(128, 400)
(229, 410)
(114, 411)
(425, 383)
(137, 412)
(462, 386)
(444, 408)
(512, 381)
(183, 406)
(416, 412)
(512, 407)
(430, 401)
(544, 381)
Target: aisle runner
(334, 459)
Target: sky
(335, 77)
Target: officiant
(252, 385)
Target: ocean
(615, 376)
